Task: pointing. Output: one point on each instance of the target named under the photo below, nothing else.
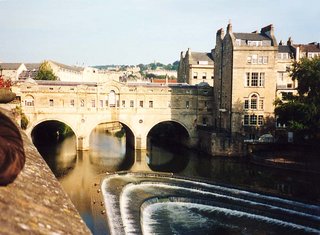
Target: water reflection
(76, 170)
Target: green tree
(301, 112)
(45, 72)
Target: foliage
(6, 95)
(17, 111)
(5, 83)
(45, 72)
(301, 112)
(24, 121)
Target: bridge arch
(39, 122)
(180, 133)
(170, 120)
(129, 130)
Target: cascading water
(152, 203)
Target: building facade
(196, 67)
(245, 84)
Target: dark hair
(12, 156)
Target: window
(249, 59)
(131, 103)
(289, 85)
(260, 59)
(141, 103)
(261, 80)
(187, 104)
(169, 104)
(265, 60)
(72, 102)
(107, 103)
(29, 101)
(253, 101)
(195, 75)
(112, 98)
(254, 59)
(82, 103)
(246, 104)
(260, 120)
(123, 103)
(93, 103)
(253, 120)
(212, 76)
(204, 75)
(261, 104)
(238, 42)
(247, 79)
(246, 120)
(101, 103)
(254, 79)
(150, 104)
(254, 43)
(51, 102)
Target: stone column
(140, 142)
(83, 143)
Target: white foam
(150, 209)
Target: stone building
(12, 71)
(196, 67)
(245, 84)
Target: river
(76, 169)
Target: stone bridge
(138, 107)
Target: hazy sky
(95, 32)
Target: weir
(148, 203)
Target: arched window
(29, 100)
(112, 99)
(254, 102)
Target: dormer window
(254, 43)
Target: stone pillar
(83, 143)
(140, 142)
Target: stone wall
(35, 203)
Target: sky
(100, 32)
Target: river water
(76, 169)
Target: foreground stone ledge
(35, 202)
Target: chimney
(289, 42)
(229, 28)
(220, 33)
(280, 43)
(189, 52)
(269, 32)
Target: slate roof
(202, 56)
(251, 36)
(72, 68)
(32, 66)
(285, 49)
(10, 66)
(311, 47)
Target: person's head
(12, 156)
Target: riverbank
(297, 157)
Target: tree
(301, 112)
(45, 72)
